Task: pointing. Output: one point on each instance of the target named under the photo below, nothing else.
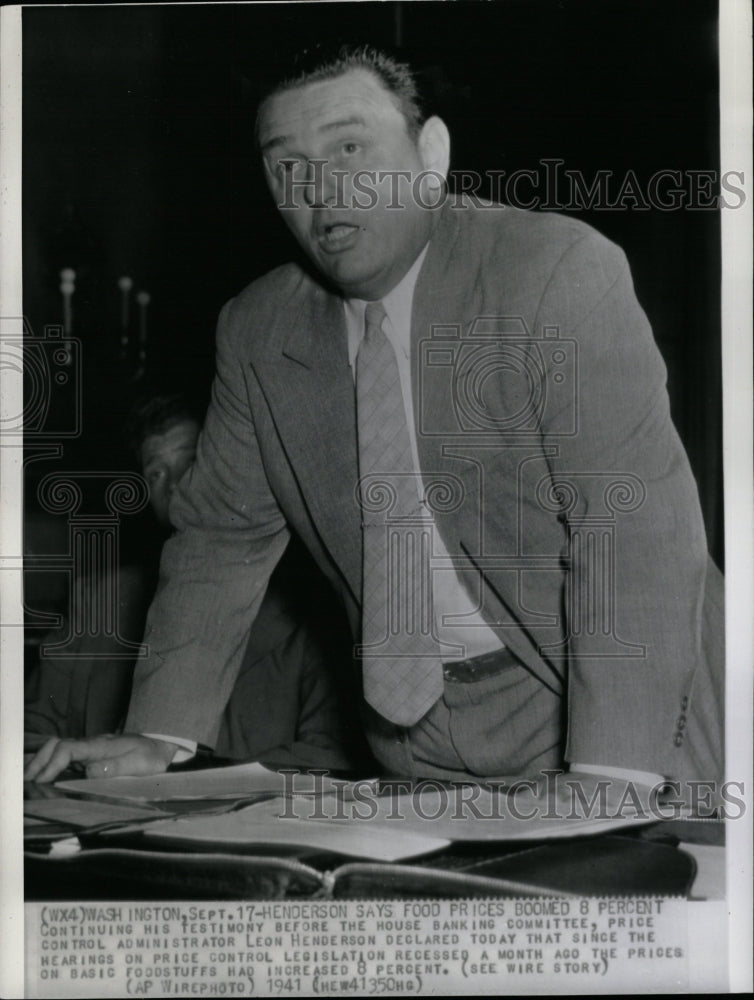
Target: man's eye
(349, 148)
(287, 166)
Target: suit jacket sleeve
(229, 535)
(632, 473)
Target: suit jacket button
(678, 739)
(684, 703)
(681, 723)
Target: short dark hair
(154, 414)
(321, 62)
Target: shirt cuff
(185, 749)
(640, 777)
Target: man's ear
(434, 149)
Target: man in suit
(461, 411)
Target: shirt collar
(398, 304)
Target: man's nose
(323, 184)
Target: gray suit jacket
(542, 414)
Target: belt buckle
(473, 669)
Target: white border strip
(11, 490)
(735, 151)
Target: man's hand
(103, 757)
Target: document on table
(80, 813)
(235, 782)
(489, 812)
(495, 810)
(272, 824)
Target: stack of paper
(237, 782)
(270, 824)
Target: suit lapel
(441, 298)
(447, 295)
(444, 296)
(310, 391)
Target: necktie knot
(374, 314)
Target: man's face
(352, 124)
(164, 459)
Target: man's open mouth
(338, 235)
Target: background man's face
(165, 457)
(351, 123)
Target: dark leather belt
(478, 667)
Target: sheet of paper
(213, 783)
(507, 828)
(479, 813)
(269, 823)
(456, 812)
(80, 813)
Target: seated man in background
(288, 705)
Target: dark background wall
(138, 160)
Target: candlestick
(67, 288)
(125, 284)
(143, 299)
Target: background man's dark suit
(279, 450)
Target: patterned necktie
(401, 665)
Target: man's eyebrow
(280, 140)
(344, 123)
